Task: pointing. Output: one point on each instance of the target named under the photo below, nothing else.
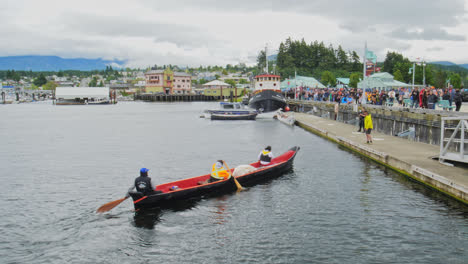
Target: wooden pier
(178, 97)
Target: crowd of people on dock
(419, 97)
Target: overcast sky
(218, 32)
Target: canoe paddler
(144, 184)
(265, 156)
(218, 172)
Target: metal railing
(456, 140)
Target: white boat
(287, 118)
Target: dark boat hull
(192, 191)
(228, 116)
(267, 101)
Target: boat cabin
(267, 81)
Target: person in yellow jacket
(368, 126)
(218, 172)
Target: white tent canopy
(68, 93)
(381, 81)
(216, 83)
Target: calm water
(60, 163)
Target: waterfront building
(81, 95)
(168, 82)
(219, 88)
(381, 81)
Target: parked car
(464, 94)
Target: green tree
(231, 82)
(101, 84)
(39, 81)
(93, 82)
(328, 79)
(391, 60)
(217, 76)
(50, 85)
(354, 79)
(225, 72)
(356, 62)
(440, 78)
(398, 76)
(455, 80)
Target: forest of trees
(17, 75)
(327, 63)
(313, 60)
(435, 75)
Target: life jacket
(143, 185)
(220, 173)
(265, 157)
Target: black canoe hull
(167, 200)
(171, 199)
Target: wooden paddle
(108, 206)
(239, 187)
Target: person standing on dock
(457, 98)
(362, 115)
(265, 156)
(368, 126)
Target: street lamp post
(424, 73)
(414, 67)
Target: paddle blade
(108, 206)
(239, 187)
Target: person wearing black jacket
(143, 183)
(361, 121)
(457, 98)
(432, 99)
(415, 98)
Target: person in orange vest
(218, 172)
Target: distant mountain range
(448, 63)
(54, 63)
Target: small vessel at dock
(231, 111)
(286, 118)
(267, 96)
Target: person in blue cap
(143, 183)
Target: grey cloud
(426, 34)
(351, 15)
(182, 35)
(435, 49)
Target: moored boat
(195, 188)
(231, 111)
(286, 118)
(267, 95)
(233, 115)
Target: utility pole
(414, 65)
(424, 73)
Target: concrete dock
(413, 159)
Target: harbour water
(58, 164)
